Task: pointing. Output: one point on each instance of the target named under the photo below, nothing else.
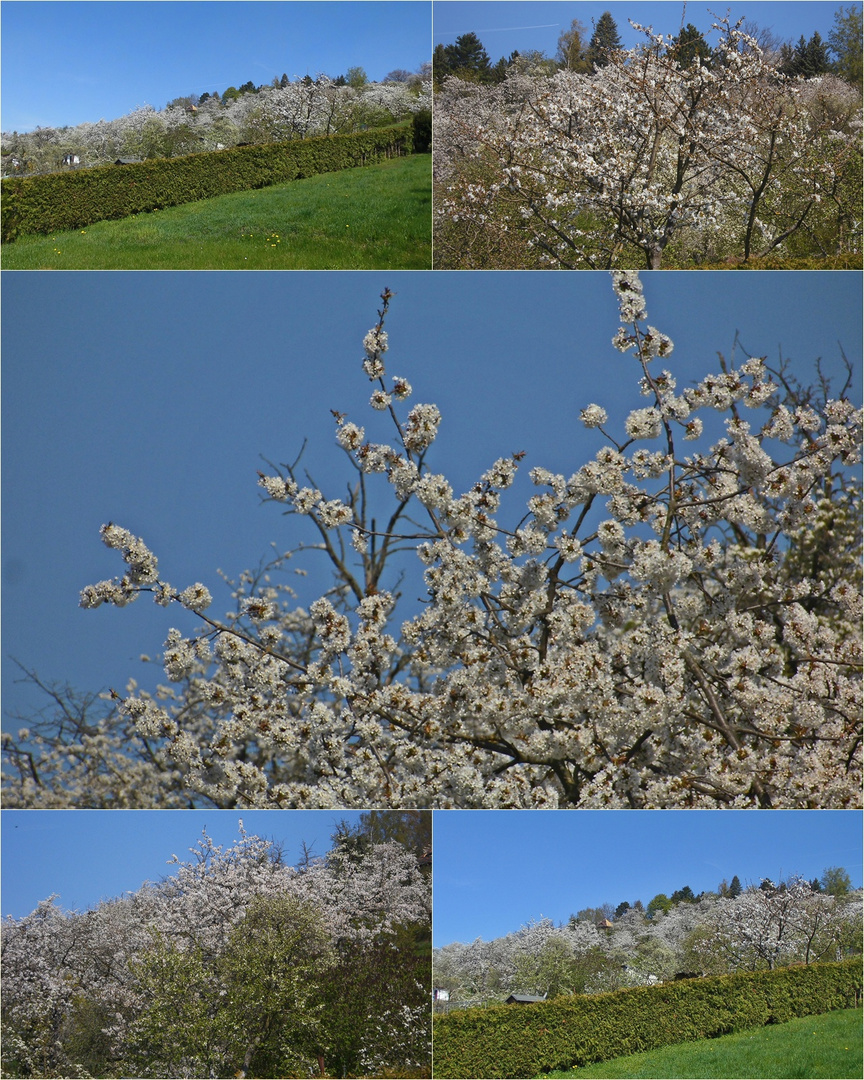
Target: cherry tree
(677, 623)
(712, 157)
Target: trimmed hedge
(62, 201)
(568, 1032)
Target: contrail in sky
(502, 29)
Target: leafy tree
(835, 881)
(572, 54)
(847, 43)
(604, 41)
(357, 77)
(661, 903)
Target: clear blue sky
(148, 399)
(64, 63)
(497, 870)
(89, 855)
(505, 25)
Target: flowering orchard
(647, 161)
(298, 110)
(763, 928)
(234, 965)
(675, 624)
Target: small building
(440, 994)
(604, 924)
(71, 159)
(524, 999)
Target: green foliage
(422, 124)
(59, 201)
(604, 40)
(847, 43)
(252, 1006)
(836, 881)
(524, 1040)
(466, 58)
(368, 984)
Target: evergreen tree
(808, 59)
(470, 60)
(283, 82)
(689, 44)
(440, 65)
(735, 887)
(622, 907)
(466, 58)
(817, 56)
(683, 896)
(604, 41)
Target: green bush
(63, 201)
(422, 124)
(524, 1040)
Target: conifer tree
(604, 41)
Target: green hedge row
(568, 1032)
(72, 200)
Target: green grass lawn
(358, 219)
(812, 1046)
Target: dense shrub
(61, 201)
(422, 124)
(524, 1040)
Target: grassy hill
(811, 1046)
(359, 219)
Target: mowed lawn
(826, 1046)
(358, 219)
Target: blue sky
(149, 400)
(497, 870)
(66, 63)
(89, 855)
(505, 25)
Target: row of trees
(670, 153)
(295, 110)
(467, 59)
(235, 965)
(355, 77)
(835, 881)
(760, 928)
(677, 623)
